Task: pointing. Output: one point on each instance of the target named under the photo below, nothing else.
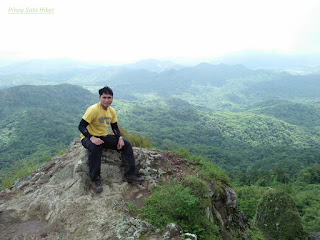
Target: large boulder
(56, 200)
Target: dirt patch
(177, 166)
(15, 229)
(7, 196)
(137, 195)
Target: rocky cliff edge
(56, 201)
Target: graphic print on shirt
(107, 119)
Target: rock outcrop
(56, 201)
(278, 218)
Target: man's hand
(120, 143)
(96, 141)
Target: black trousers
(110, 142)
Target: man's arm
(117, 133)
(83, 128)
(115, 129)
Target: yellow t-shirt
(99, 120)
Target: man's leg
(111, 142)
(127, 156)
(94, 162)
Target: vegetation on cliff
(195, 195)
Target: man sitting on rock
(94, 135)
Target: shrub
(182, 203)
(211, 173)
(248, 199)
(135, 140)
(278, 218)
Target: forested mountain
(304, 115)
(36, 122)
(237, 142)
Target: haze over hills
(250, 59)
(38, 66)
(220, 87)
(270, 60)
(70, 71)
(154, 65)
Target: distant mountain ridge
(272, 60)
(213, 87)
(39, 66)
(41, 72)
(159, 77)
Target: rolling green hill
(304, 115)
(235, 141)
(38, 121)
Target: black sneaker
(97, 185)
(133, 178)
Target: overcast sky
(120, 31)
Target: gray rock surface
(57, 201)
